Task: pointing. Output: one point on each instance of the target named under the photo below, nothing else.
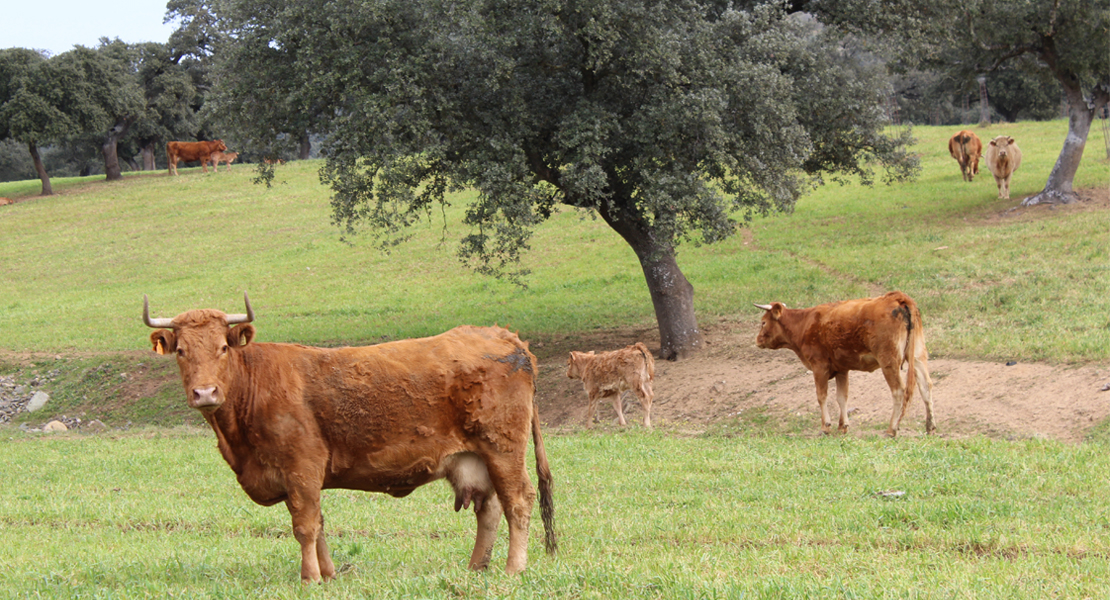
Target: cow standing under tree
(293, 420)
(855, 335)
(1003, 158)
(966, 148)
(192, 151)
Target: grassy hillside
(76, 265)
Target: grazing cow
(1003, 158)
(855, 335)
(966, 148)
(273, 161)
(608, 374)
(292, 420)
(223, 157)
(191, 151)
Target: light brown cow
(608, 374)
(855, 335)
(293, 420)
(223, 157)
(966, 148)
(1003, 158)
(192, 151)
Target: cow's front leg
(842, 399)
(308, 528)
(821, 379)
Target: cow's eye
(181, 352)
(224, 349)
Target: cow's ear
(240, 335)
(993, 144)
(164, 341)
(776, 310)
(1009, 140)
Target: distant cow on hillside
(192, 151)
(966, 148)
(855, 335)
(1003, 158)
(608, 374)
(223, 157)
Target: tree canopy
(672, 121)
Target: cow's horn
(155, 323)
(247, 318)
(763, 306)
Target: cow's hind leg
(618, 406)
(821, 380)
(900, 396)
(471, 482)
(842, 400)
(646, 395)
(510, 479)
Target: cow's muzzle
(205, 399)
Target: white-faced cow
(855, 335)
(1003, 158)
(608, 374)
(966, 148)
(293, 420)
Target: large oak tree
(671, 120)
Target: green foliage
(641, 111)
(640, 515)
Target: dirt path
(731, 377)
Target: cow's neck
(227, 420)
(795, 321)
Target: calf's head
(575, 364)
(203, 341)
(771, 333)
(1002, 143)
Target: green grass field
(155, 512)
(640, 515)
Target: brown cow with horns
(855, 335)
(293, 420)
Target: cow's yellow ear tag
(160, 347)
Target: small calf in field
(855, 335)
(223, 157)
(608, 374)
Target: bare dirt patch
(731, 378)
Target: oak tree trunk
(40, 169)
(671, 294)
(1058, 189)
(112, 169)
(148, 157)
(305, 147)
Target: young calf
(223, 157)
(608, 374)
(855, 335)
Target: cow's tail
(649, 360)
(543, 473)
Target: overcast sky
(59, 25)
